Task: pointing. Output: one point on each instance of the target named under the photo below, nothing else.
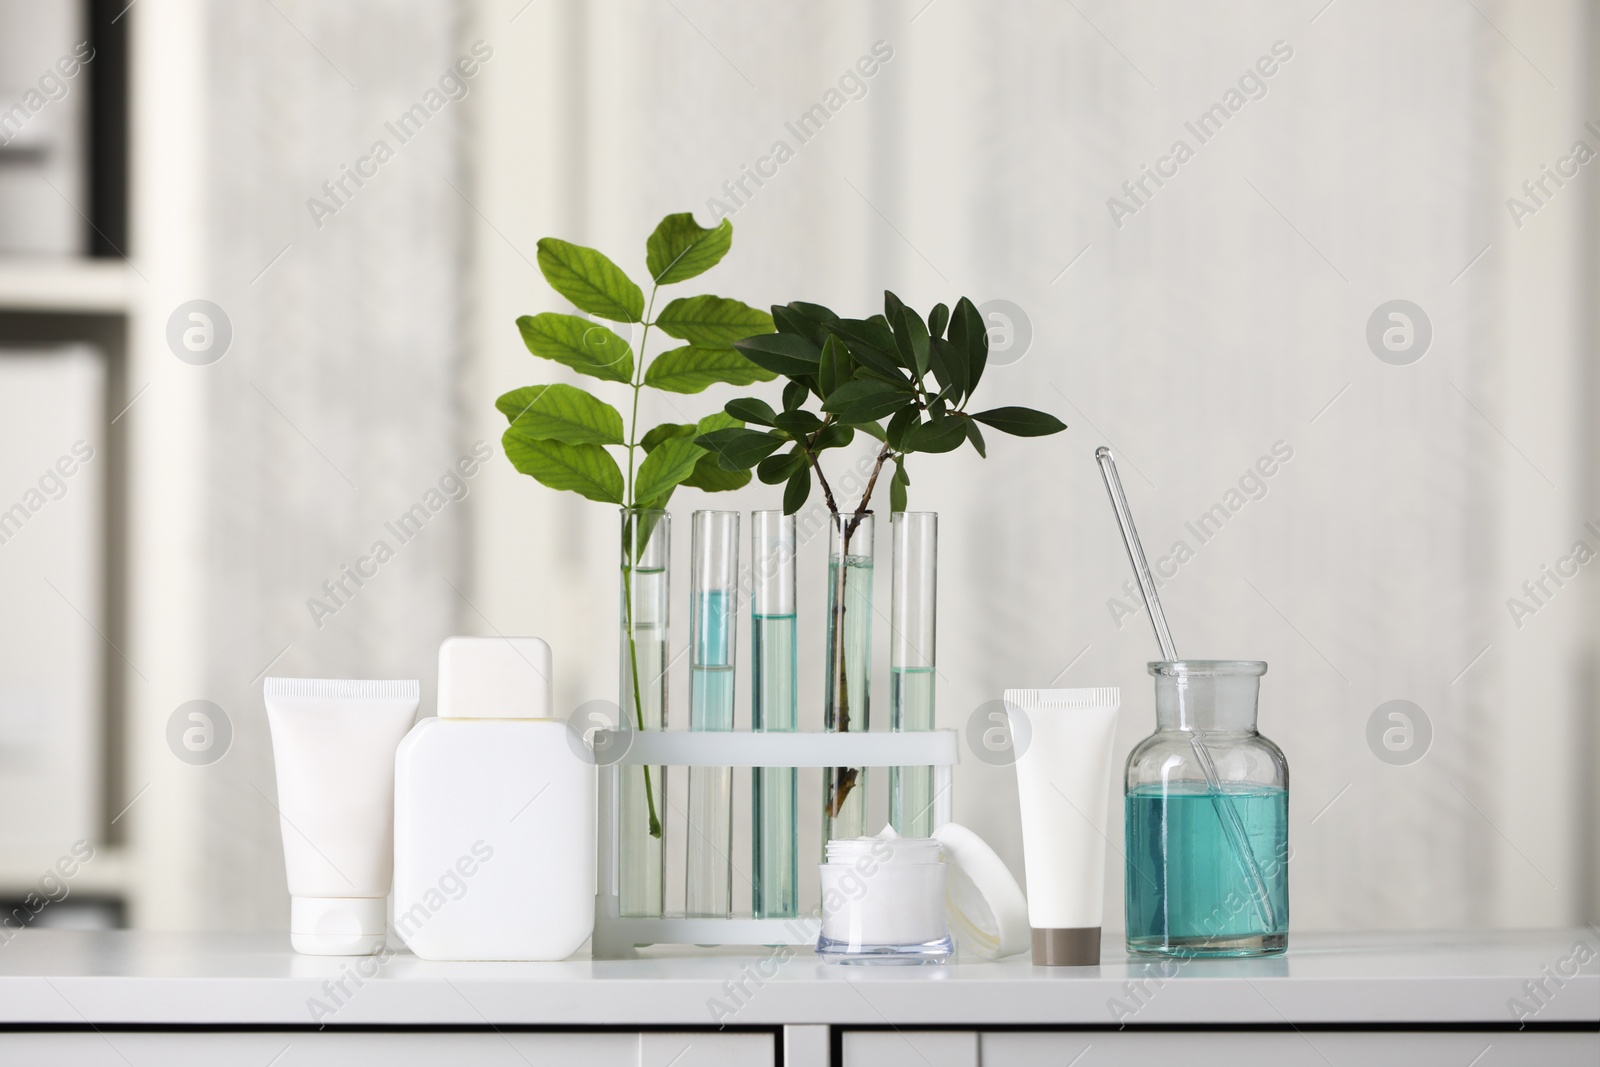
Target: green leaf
(586, 347)
(663, 432)
(941, 435)
(937, 319)
(591, 281)
(903, 420)
(865, 400)
(970, 334)
(797, 423)
(1021, 422)
(712, 321)
(794, 395)
(949, 365)
(815, 312)
(668, 464)
(834, 436)
(836, 367)
(777, 468)
(790, 319)
(795, 493)
(681, 248)
(588, 470)
(691, 368)
(911, 340)
(892, 307)
(749, 409)
(709, 477)
(782, 353)
(871, 343)
(739, 449)
(717, 420)
(871, 429)
(897, 487)
(976, 437)
(562, 413)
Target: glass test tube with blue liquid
(714, 597)
(774, 706)
(915, 537)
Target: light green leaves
(591, 281)
(691, 368)
(667, 465)
(561, 413)
(681, 248)
(588, 470)
(586, 347)
(712, 321)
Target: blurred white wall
(1226, 314)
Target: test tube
(774, 703)
(713, 609)
(915, 537)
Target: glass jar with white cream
(883, 901)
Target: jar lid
(987, 909)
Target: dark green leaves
(941, 435)
(749, 409)
(681, 248)
(970, 338)
(797, 490)
(712, 321)
(561, 413)
(591, 281)
(1021, 422)
(866, 400)
(586, 347)
(911, 340)
(783, 353)
(740, 449)
(691, 368)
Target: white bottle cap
(338, 926)
(494, 678)
(987, 909)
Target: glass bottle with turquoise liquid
(774, 706)
(914, 536)
(1207, 809)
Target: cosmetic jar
(883, 901)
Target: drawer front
(1132, 1048)
(113, 1048)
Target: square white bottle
(494, 815)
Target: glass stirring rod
(1232, 827)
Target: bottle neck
(1208, 703)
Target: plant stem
(629, 547)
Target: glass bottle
(1207, 809)
(646, 534)
(846, 684)
(914, 537)
(714, 613)
(774, 705)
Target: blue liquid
(1187, 893)
(709, 874)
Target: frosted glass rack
(615, 937)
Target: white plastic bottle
(494, 816)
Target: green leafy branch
(564, 436)
(900, 378)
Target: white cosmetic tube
(334, 744)
(1063, 739)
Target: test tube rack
(616, 936)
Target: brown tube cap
(1066, 946)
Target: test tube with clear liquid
(915, 539)
(774, 706)
(714, 599)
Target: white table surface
(58, 977)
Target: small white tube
(1063, 739)
(334, 745)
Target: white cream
(334, 746)
(1063, 739)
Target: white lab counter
(1415, 999)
